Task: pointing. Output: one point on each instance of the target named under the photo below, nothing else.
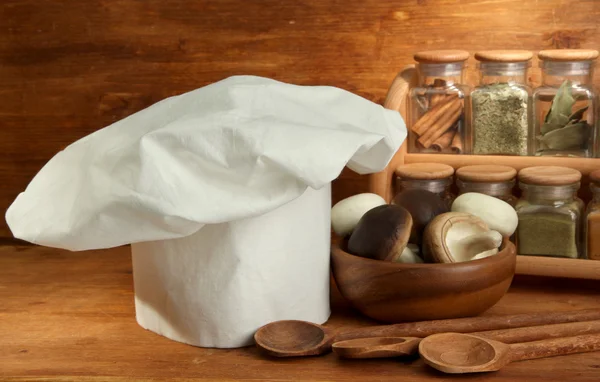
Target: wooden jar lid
(568, 54)
(486, 173)
(595, 177)
(549, 175)
(503, 55)
(441, 56)
(424, 171)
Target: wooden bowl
(395, 292)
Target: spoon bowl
(463, 353)
(377, 347)
(293, 338)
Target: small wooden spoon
(377, 347)
(384, 347)
(291, 338)
(457, 353)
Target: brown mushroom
(382, 233)
(423, 206)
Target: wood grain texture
(384, 347)
(568, 54)
(293, 338)
(424, 171)
(397, 292)
(549, 175)
(528, 334)
(443, 55)
(296, 338)
(503, 55)
(558, 267)
(456, 353)
(70, 68)
(70, 317)
(486, 173)
(377, 347)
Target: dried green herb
(547, 234)
(564, 129)
(500, 119)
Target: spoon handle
(534, 333)
(470, 325)
(553, 347)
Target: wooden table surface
(70, 317)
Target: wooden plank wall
(68, 68)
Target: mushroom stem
(408, 257)
(480, 242)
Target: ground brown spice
(593, 236)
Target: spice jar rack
(383, 183)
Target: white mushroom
(455, 237)
(414, 248)
(496, 213)
(476, 243)
(346, 213)
(408, 257)
(484, 254)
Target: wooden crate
(383, 183)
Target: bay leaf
(560, 121)
(576, 116)
(542, 145)
(572, 136)
(562, 104)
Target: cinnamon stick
(445, 122)
(457, 144)
(436, 99)
(439, 83)
(444, 141)
(433, 115)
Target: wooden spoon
(384, 347)
(377, 347)
(291, 338)
(457, 353)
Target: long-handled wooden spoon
(291, 338)
(458, 353)
(383, 347)
(377, 347)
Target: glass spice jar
(564, 105)
(436, 104)
(550, 212)
(432, 177)
(493, 180)
(500, 104)
(592, 219)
